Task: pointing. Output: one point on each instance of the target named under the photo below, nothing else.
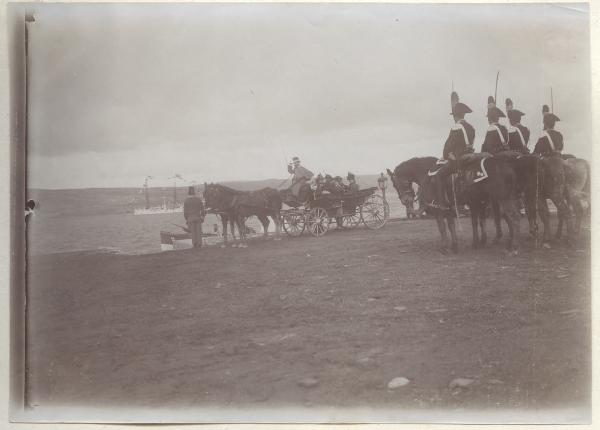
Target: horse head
(211, 196)
(403, 187)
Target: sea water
(125, 232)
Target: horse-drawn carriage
(321, 208)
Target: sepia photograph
(301, 213)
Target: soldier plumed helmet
(514, 114)
(453, 99)
(460, 109)
(549, 117)
(457, 107)
(493, 111)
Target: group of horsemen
(459, 144)
(498, 138)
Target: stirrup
(436, 205)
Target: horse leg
(474, 219)
(482, 218)
(530, 209)
(545, 217)
(497, 221)
(564, 213)
(452, 227)
(513, 218)
(224, 221)
(439, 218)
(232, 226)
(277, 220)
(264, 220)
(241, 224)
(579, 211)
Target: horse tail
(587, 185)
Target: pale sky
(228, 92)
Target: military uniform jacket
(299, 173)
(496, 139)
(461, 137)
(518, 137)
(550, 142)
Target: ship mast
(146, 195)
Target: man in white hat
(301, 176)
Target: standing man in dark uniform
(551, 142)
(193, 212)
(496, 138)
(518, 134)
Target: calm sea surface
(124, 233)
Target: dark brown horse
(500, 188)
(578, 190)
(415, 171)
(240, 205)
(547, 178)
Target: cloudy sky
(228, 92)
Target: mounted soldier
(301, 176)
(518, 134)
(496, 138)
(459, 142)
(551, 141)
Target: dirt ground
(316, 321)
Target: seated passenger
(352, 185)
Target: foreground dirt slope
(308, 321)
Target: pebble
(460, 383)
(308, 382)
(397, 382)
(400, 308)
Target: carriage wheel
(293, 223)
(351, 220)
(374, 212)
(318, 221)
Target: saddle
(439, 165)
(472, 167)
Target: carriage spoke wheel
(351, 220)
(293, 223)
(318, 222)
(374, 212)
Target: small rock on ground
(400, 381)
(308, 382)
(460, 383)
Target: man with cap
(193, 212)
(551, 142)
(301, 175)
(496, 138)
(518, 134)
(352, 185)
